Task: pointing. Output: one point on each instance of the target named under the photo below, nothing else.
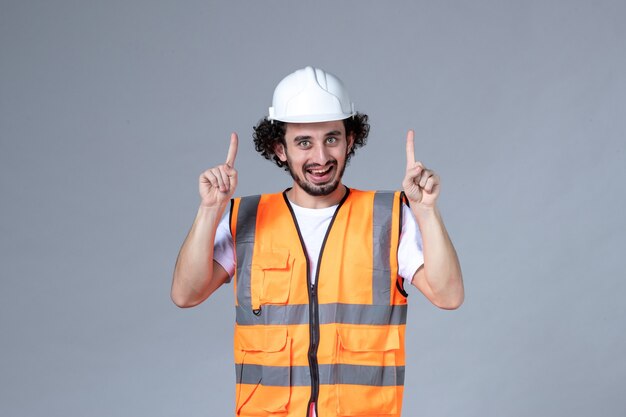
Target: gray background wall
(110, 110)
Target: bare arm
(440, 279)
(196, 274)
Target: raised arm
(440, 279)
(196, 274)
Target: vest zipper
(314, 331)
(314, 319)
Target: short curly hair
(268, 134)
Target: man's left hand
(421, 185)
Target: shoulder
(250, 202)
(378, 196)
(357, 191)
(258, 197)
(249, 197)
(245, 208)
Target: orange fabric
(278, 274)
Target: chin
(319, 190)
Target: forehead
(314, 129)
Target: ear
(279, 151)
(350, 141)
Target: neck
(303, 199)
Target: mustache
(332, 162)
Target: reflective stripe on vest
(329, 374)
(359, 311)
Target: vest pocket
(275, 270)
(263, 377)
(366, 377)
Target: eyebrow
(303, 137)
(307, 137)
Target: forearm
(442, 271)
(193, 273)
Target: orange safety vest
(336, 346)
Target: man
(320, 268)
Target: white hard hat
(310, 95)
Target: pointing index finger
(232, 150)
(410, 147)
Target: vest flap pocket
(263, 365)
(276, 258)
(369, 339)
(275, 269)
(265, 339)
(366, 378)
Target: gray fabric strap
(328, 313)
(284, 376)
(246, 225)
(381, 274)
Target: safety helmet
(310, 95)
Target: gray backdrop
(110, 110)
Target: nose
(320, 154)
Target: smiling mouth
(321, 174)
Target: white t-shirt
(313, 224)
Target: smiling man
(317, 145)
(320, 268)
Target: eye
(331, 140)
(304, 143)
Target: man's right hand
(217, 185)
(196, 274)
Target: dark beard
(318, 190)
